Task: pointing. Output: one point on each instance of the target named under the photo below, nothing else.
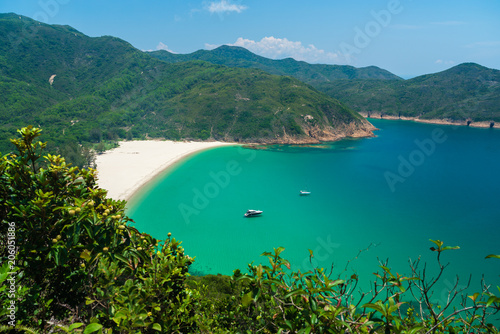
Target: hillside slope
(467, 92)
(88, 89)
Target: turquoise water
(386, 195)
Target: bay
(372, 199)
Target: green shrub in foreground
(77, 257)
(78, 266)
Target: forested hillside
(84, 90)
(465, 92)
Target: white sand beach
(125, 169)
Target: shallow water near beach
(371, 199)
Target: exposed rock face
(314, 134)
(353, 129)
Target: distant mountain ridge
(84, 89)
(462, 94)
(234, 56)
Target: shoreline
(124, 170)
(484, 124)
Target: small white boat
(304, 193)
(253, 213)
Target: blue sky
(406, 37)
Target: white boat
(305, 193)
(252, 213)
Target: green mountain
(466, 92)
(234, 56)
(83, 89)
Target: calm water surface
(371, 199)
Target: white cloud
(279, 48)
(445, 62)
(162, 46)
(224, 6)
(211, 46)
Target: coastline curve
(124, 170)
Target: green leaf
(259, 271)
(246, 299)
(279, 250)
(376, 307)
(272, 282)
(76, 233)
(57, 256)
(256, 294)
(416, 329)
(493, 256)
(157, 327)
(474, 297)
(450, 247)
(313, 304)
(295, 292)
(119, 316)
(388, 271)
(4, 272)
(75, 326)
(89, 231)
(491, 300)
(92, 328)
(336, 282)
(121, 258)
(438, 243)
(85, 254)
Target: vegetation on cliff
(72, 262)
